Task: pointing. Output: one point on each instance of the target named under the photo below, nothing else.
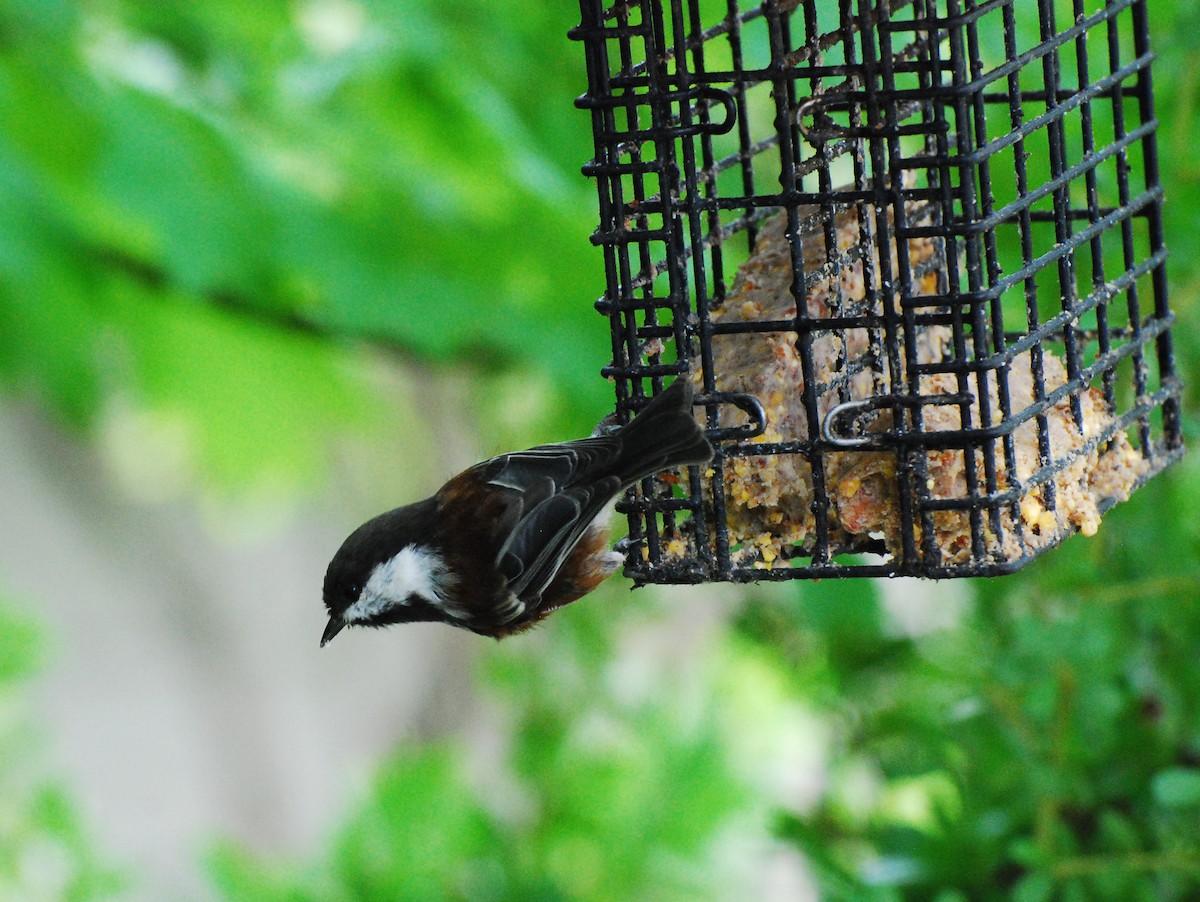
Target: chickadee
(503, 544)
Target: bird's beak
(332, 629)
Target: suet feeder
(911, 254)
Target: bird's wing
(558, 490)
(560, 465)
(550, 532)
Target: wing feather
(547, 535)
(555, 493)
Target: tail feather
(665, 435)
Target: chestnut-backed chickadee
(503, 544)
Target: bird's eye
(355, 590)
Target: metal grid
(994, 164)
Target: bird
(509, 540)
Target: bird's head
(387, 571)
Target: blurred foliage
(205, 203)
(1045, 748)
(596, 795)
(212, 208)
(45, 854)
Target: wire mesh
(911, 254)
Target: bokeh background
(268, 268)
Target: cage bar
(910, 252)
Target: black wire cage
(911, 254)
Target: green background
(222, 222)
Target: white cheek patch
(412, 571)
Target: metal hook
(725, 100)
(815, 106)
(875, 403)
(842, 441)
(748, 404)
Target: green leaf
(1177, 787)
(1036, 887)
(20, 645)
(419, 834)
